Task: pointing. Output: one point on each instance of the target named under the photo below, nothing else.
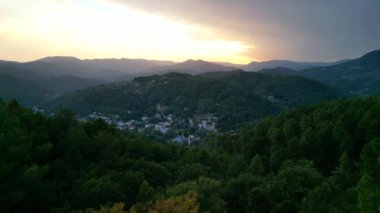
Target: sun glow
(104, 29)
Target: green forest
(321, 158)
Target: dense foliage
(234, 97)
(322, 158)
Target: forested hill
(360, 76)
(322, 158)
(233, 97)
(31, 87)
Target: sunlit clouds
(322, 30)
(224, 30)
(106, 29)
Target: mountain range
(125, 69)
(45, 79)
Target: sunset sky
(237, 31)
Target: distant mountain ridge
(193, 67)
(359, 76)
(124, 69)
(256, 66)
(107, 69)
(116, 69)
(227, 64)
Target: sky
(236, 31)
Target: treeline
(322, 158)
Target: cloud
(231, 30)
(100, 28)
(292, 29)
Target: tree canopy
(321, 158)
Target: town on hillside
(185, 131)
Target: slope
(359, 77)
(34, 88)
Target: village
(184, 131)
(168, 127)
